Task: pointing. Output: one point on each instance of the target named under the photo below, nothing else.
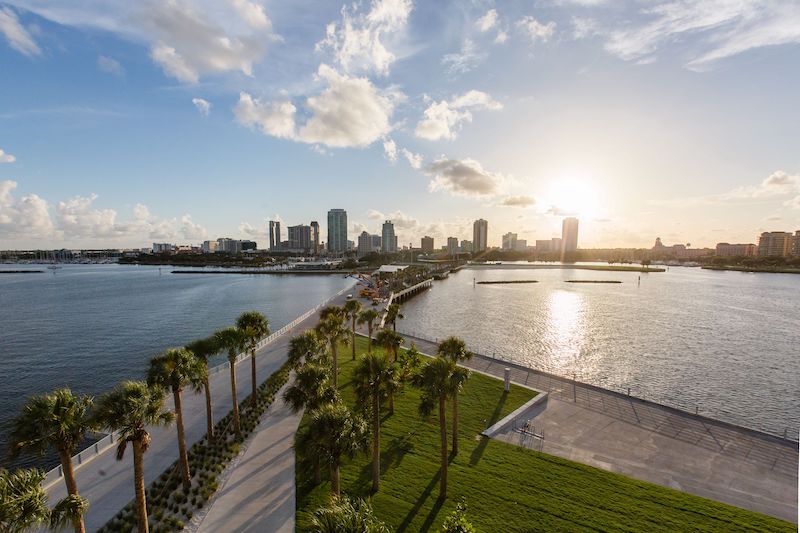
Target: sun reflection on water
(566, 330)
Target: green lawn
(507, 488)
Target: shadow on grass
(420, 502)
(477, 453)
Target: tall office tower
(337, 231)
(315, 236)
(775, 243)
(509, 241)
(376, 242)
(480, 235)
(466, 246)
(364, 244)
(796, 243)
(274, 235)
(452, 246)
(388, 238)
(569, 234)
(427, 244)
(300, 237)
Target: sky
(126, 123)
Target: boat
(54, 267)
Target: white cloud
(443, 119)
(374, 214)
(359, 41)
(535, 30)
(487, 21)
(390, 150)
(776, 185)
(202, 105)
(465, 177)
(468, 58)
(501, 37)
(6, 158)
(27, 217)
(252, 13)
(518, 201)
(415, 160)
(15, 33)
(350, 112)
(112, 66)
(191, 230)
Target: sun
(570, 197)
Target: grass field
(506, 488)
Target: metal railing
(108, 440)
(789, 434)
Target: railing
(107, 441)
(789, 434)
(424, 283)
(386, 310)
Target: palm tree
(231, 339)
(352, 308)
(129, 409)
(306, 346)
(392, 314)
(437, 380)
(59, 420)
(345, 515)
(368, 317)
(335, 431)
(203, 350)
(332, 329)
(454, 349)
(254, 327)
(23, 503)
(173, 370)
(389, 341)
(373, 376)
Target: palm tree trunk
(183, 459)
(72, 486)
(455, 424)
(391, 403)
(335, 478)
(335, 365)
(236, 426)
(394, 326)
(369, 341)
(209, 412)
(138, 483)
(443, 437)
(253, 377)
(376, 442)
(354, 338)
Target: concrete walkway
(108, 483)
(259, 492)
(651, 442)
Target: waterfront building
(300, 237)
(555, 244)
(509, 241)
(230, 246)
(427, 245)
(466, 246)
(543, 245)
(480, 235)
(315, 236)
(796, 244)
(249, 245)
(337, 231)
(163, 248)
(376, 242)
(725, 249)
(351, 245)
(569, 235)
(522, 245)
(452, 246)
(775, 243)
(209, 247)
(274, 234)
(388, 238)
(364, 244)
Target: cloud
(535, 30)
(518, 201)
(27, 217)
(202, 105)
(358, 42)
(415, 160)
(464, 177)
(374, 214)
(6, 158)
(443, 119)
(487, 21)
(191, 230)
(350, 112)
(252, 13)
(722, 29)
(15, 33)
(112, 66)
(390, 150)
(776, 185)
(468, 58)
(501, 37)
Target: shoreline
(601, 268)
(757, 269)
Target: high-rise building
(315, 236)
(209, 247)
(509, 241)
(229, 246)
(735, 250)
(337, 231)
(556, 244)
(376, 242)
(364, 244)
(452, 246)
(569, 234)
(466, 246)
(480, 235)
(427, 245)
(300, 237)
(388, 238)
(522, 245)
(796, 244)
(544, 245)
(775, 243)
(274, 234)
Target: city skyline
(119, 131)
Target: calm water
(727, 342)
(91, 326)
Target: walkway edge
(494, 429)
